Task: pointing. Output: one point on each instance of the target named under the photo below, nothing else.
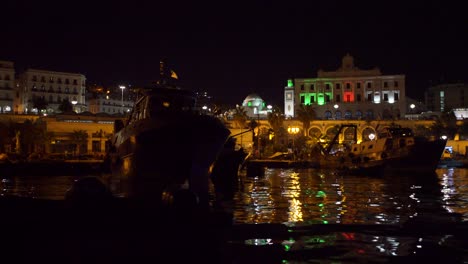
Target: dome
(253, 100)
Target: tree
(306, 114)
(446, 125)
(79, 138)
(240, 117)
(276, 120)
(39, 103)
(65, 106)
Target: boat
(165, 145)
(395, 149)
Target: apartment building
(8, 99)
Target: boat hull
(158, 157)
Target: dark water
(335, 218)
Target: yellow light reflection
(295, 206)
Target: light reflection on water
(309, 198)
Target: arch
(338, 115)
(328, 114)
(348, 114)
(366, 132)
(315, 132)
(358, 114)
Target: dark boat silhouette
(166, 145)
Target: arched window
(338, 115)
(348, 115)
(358, 114)
(328, 115)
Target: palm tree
(306, 114)
(276, 120)
(79, 137)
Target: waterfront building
(7, 87)
(446, 97)
(348, 93)
(52, 87)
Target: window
(338, 98)
(67, 81)
(75, 82)
(348, 115)
(348, 86)
(358, 85)
(327, 86)
(385, 84)
(51, 79)
(385, 97)
(369, 85)
(312, 87)
(337, 85)
(369, 97)
(395, 96)
(338, 114)
(59, 80)
(34, 78)
(302, 87)
(358, 97)
(395, 84)
(312, 99)
(327, 98)
(289, 96)
(302, 99)
(42, 79)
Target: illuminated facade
(348, 93)
(7, 87)
(53, 87)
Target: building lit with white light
(7, 87)
(348, 93)
(53, 87)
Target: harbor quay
(81, 134)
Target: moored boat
(396, 149)
(165, 145)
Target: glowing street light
(74, 102)
(293, 131)
(123, 88)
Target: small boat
(165, 145)
(396, 149)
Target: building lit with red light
(348, 93)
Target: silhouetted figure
(89, 193)
(225, 171)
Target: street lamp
(293, 131)
(74, 102)
(123, 88)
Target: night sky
(231, 49)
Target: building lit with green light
(348, 93)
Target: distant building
(446, 97)
(8, 98)
(110, 102)
(53, 87)
(348, 93)
(255, 107)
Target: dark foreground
(121, 231)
